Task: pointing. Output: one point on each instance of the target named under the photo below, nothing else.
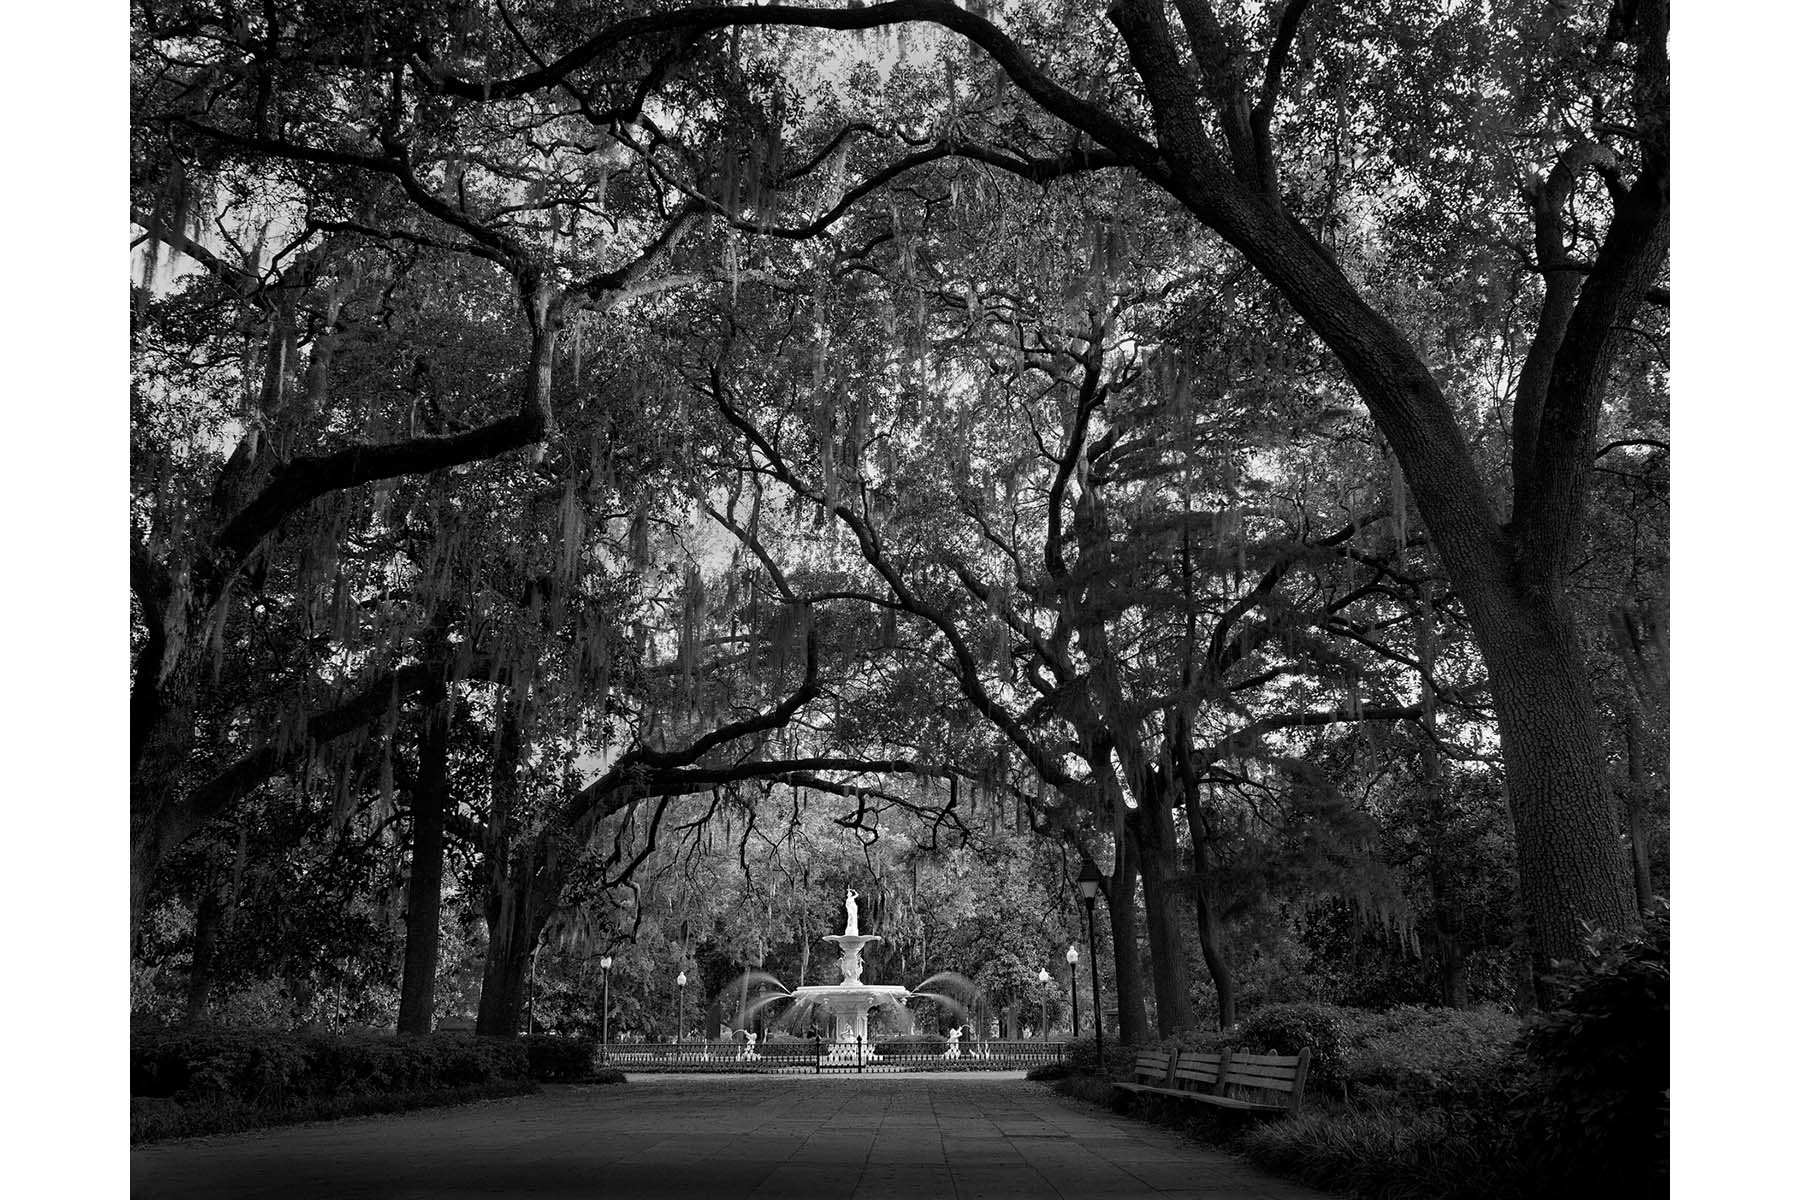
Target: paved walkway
(895, 1137)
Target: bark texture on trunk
(1121, 914)
(425, 886)
(516, 919)
(1152, 827)
(1510, 576)
(1571, 864)
(1637, 786)
(1206, 915)
(208, 921)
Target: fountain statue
(850, 1001)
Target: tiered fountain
(850, 1001)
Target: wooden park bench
(1276, 1081)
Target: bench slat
(1276, 1073)
(1283, 1060)
(1267, 1068)
(1205, 1076)
(1248, 1105)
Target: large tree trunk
(207, 921)
(1511, 577)
(516, 919)
(1448, 960)
(521, 887)
(162, 735)
(1206, 914)
(1571, 866)
(1637, 786)
(1121, 912)
(1445, 930)
(1152, 827)
(425, 886)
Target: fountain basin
(850, 1003)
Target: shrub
(1398, 1152)
(1290, 1028)
(551, 1058)
(1045, 1072)
(186, 1081)
(1415, 1048)
(912, 1043)
(1119, 1057)
(1597, 1113)
(1085, 1087)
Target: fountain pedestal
(849, 1002)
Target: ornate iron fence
(816, 1056)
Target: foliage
(1291, 1028)
(1415, 1048)
(1046, 1072)
(920, 1043)
(1470, 1104)
(198, 1080)
(1597, 1114)
(156, 1118)
(1400, 1152)
(1094, 1089)
(1113, 1063)
(560, 1059)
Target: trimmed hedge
(1119, 1058)
(191, 1081)
(553, 1059)
(912, 1043)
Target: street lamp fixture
(1074, 1000)
(680, 1004)
(605, 1000)
(1089, 882)
(1043, 1004)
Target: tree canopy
(607, 475)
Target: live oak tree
(472, 202)
(1208, 107)
(1088, 564)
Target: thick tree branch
(1286, 27)
(1055, 100)
(232, 783)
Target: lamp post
(1074, 1000)
(1043, 1004)
(605, 1000)
(680, 1005)
(1089, 883)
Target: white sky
(65, 474)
